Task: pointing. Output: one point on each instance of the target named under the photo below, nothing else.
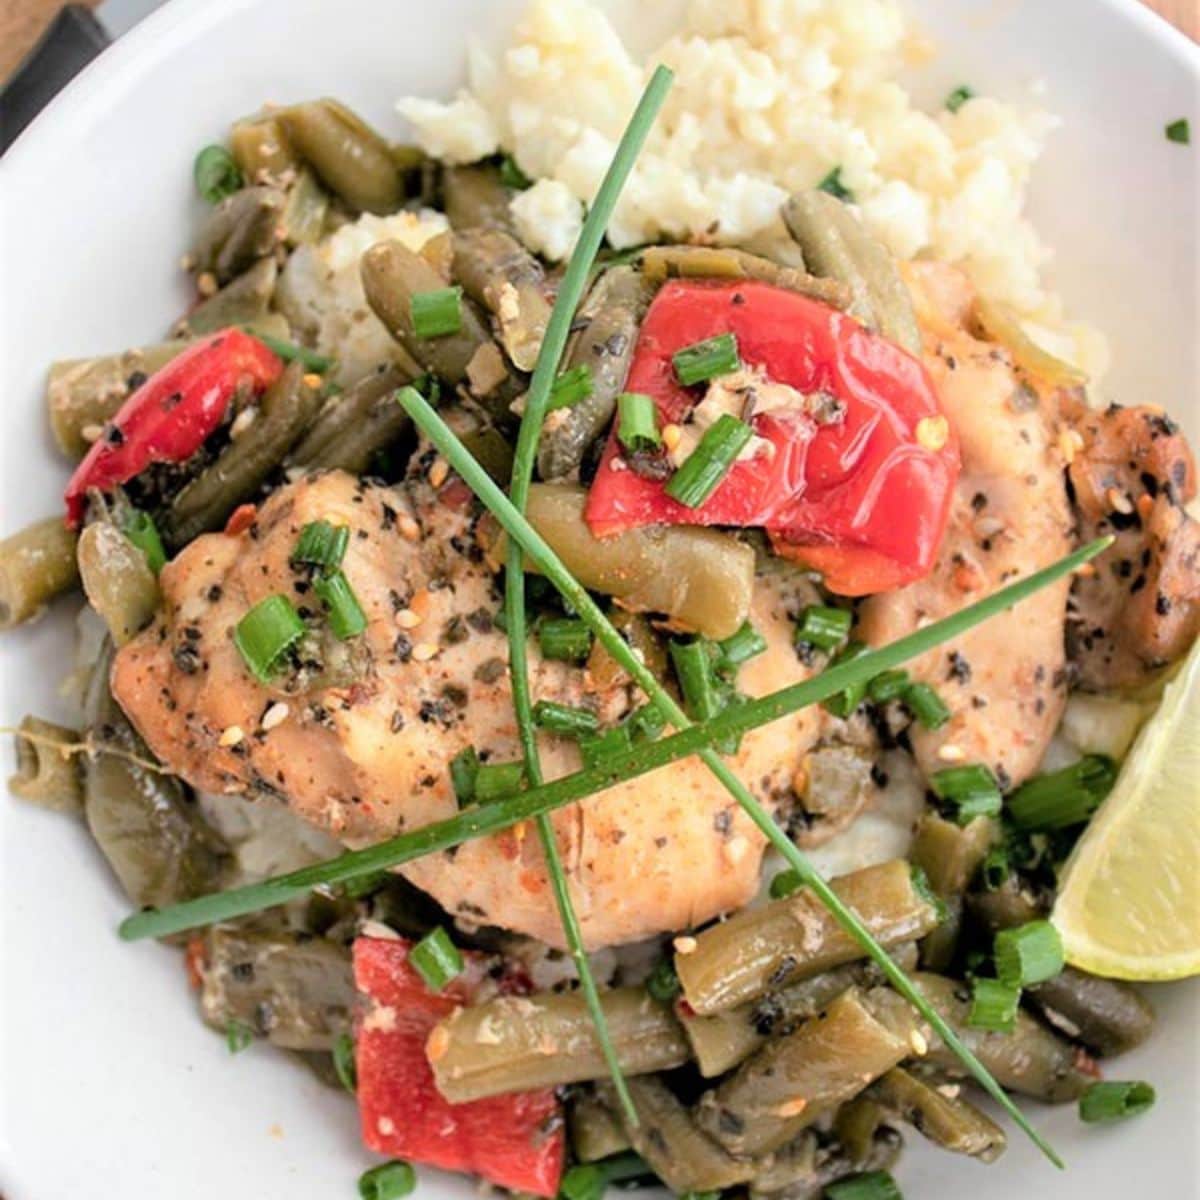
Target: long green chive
(844, 704)
(741, 647)
(590, 1180)
(564, 719)
(344, 1065)
(637, 422)
(512, 176)
(565, 638)
(957, 98)
(1179, 131)
(388, 1181)
(570, 387)
(702, 471)
(887, 686)
(784, 883)
(346, 617)
(1115, 1100)
(464, 769)
(216, 174)
(290, 352)
(266, 633)
(603, 747)
(995, 869)
(871, 1185)
(824, 627)
(694, 670)
(321, 544)
(832, 183)
(494, 781)
(972, 789)
(1028, 954)
(140, 529)
(702, 361)
(436, 959)
(663, 983)
(926, 705)
(993, 1005)
(436, 313)
(1060, 799)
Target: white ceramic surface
(110, 1086)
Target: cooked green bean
(492, 450)
(836, 244)
(808, 1164)
(763, 948)
(144, 821)
(950, 853)
(355, 425)
(1005, 906)
(670, 1140)
(951, 1121)
(294, 989)
(940, 945)
(117, 580)
(837, 788)
(305, 210)
(476, 197)
(47, 773)
(787, 1084)
(595, 1130)
(1106, 1015)
(700, 578)
(261, 149)
(244, 301)
(285, 411)
(856, 1124)
(609, 316)
(604, 670)
(241, 229)
(352, 160)
(777, 244)
(35, 566)
(499, 273)
(1031, 1060)
(517, 1043)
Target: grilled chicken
(356, 736)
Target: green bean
(787, 1084)
(856, 1124)
(47, 772)
(952, 1122)
(701, 579)
(1031, 1060)
(939, 946)
(1106, 1015)
(492, 450)
(294, 989)
(660, 263)
(609, 316)
(950, 853)
(355, 425)
(241, 229)
(117, 580)
(605, 672)
(777, 245)
(807, 1165)
(795, 938)
(595, 1130)
(305, 210)
(670, 1140)
(516, 1043)
(1005, 906)
(499, 273)
(144, 821)
(475, 197)
(243, 301)
(836, 244)
(837, 788)
(284, 413)
(261, 149)
(392, 274)
(36, 564)
(352, 160)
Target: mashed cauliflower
(769, 96)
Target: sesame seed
(933, 432)
(407, 619)
(735, 850)
(1085, 570)
(312, 380)
(918, 1043)
(685, 945)
(1070, 442)
(409, 529)
(792, 1108)
(438, 470)
(987, 527)
(386, 1125)
(672, 435)
(800, 778)
(206, 283)
(437, 1044)
(951, 753)
(617, 464)
(231, 735)
(424, 651)
(91, 432)
(242, 422)
(275, 715)
(1118, 501)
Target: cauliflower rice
(769, 97)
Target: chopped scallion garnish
(694, 669)
(321, 544)
(290, 352)
(844, 703)
(436, 313)
(702, 361)
(784, 883)
(266, 633)
(888, 686)
(1115, 1100)
(1179, 131)
(571, 387)
(589, 1181)
(1028, 954)
(216, 174)
(140, 529)
(646, 724)
(971, 789)
(703, 469)
(663, 983)
(1060, 799)
(740, 647)
(871, 1185)
(995, 868)
(512, 176)
(464, 767)
(495, 781)
(824, 627)
(832, 183)
(388, 1181)
(926, 705)
(436, 959)
(346, 617)
(564, 719)
(637, 422)
(566, 639)
(343, 1062)
(957, 98)
(238, 1036)
(993, 1005)
(597, 750)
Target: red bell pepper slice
(168, 418)
(514, 1141)
(859, 498)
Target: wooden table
(22, 21)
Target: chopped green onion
(972, 789)
(346, 617)
(237, 1036)
(693, 668)
(663, 983)
(1060, 799)
(464, 768)
(564, 719)
(824, 627)
(702, 361)
(344, 1065)
(364, 885)
(993, 1005)
(266, 633)
(996, 868)
(589, 1181)
(872, 1185)
(389, 1181)
(637, 422)
(570, 387)
(926, 705)
(890, 685)
(566, 639)
(495, 781)
(140, 529)
(436, 959)
(1029, 954)
(784, 883)
(646, 724)
(290, 352)
(321, 544)
(1115, 1100)
(844, 703)
(957, 98)
(703, 469)
(599, 749)
(216, 174)
(1179, 131)
(437, 312)
(832, 183)
(512, 176)
(740, 647)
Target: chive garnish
(824, 627)
(310, 360)
(216, 174)
(321, 544)
(971, 789)
(388, 1181)
(564, 638)
(888, 686)
(1060, 799)
(694, 669)
(957, 98)
(1179, 132)
(1028, 954)
(784, 883)
(140, 529)
(589, 1181)
(832, 183)
(436, 959)
(564, 719)
(344, 1065)
(926, 705)
(843, 704)
(995, 869)
(871, 1185)
(703, 469)
(663, 983)
(238, 1036)
(1115, 1100)
(603, 747)
(702, 361)
(436, 313)
(571, 387)
(993, 1005)
(266, 633)
(464, 767)
(637, 422)
(494, 781)
(740, 647)
(512, 176)
(346, 617)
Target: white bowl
(111, 1086)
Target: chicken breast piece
(1005, 682)
(356, 737)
